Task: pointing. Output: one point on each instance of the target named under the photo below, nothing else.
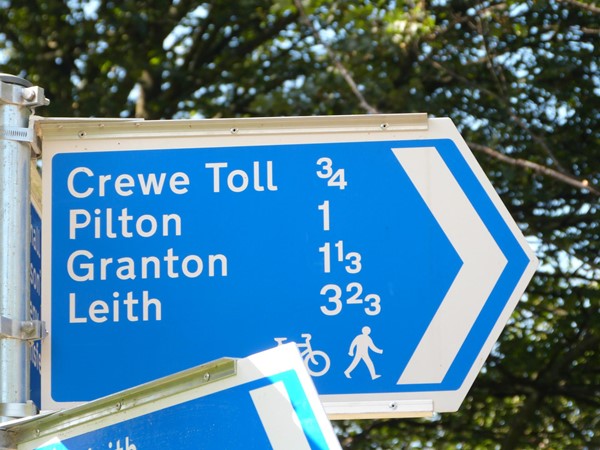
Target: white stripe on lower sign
(277, 415)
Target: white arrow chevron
(483, 263)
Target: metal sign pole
(17, 100)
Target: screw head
(28, 94)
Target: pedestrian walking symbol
(359, 348)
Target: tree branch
(585, 6)
(540, 140)
(537, 168)
(336, 61)
(516, 119)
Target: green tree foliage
(521, 78)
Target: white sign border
(85, 135)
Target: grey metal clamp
(28, 330)
(17, 134)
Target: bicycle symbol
(316, 361)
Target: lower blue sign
(227, 419)
(267, 400)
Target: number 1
(325, 208)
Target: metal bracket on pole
(28, 330)
(27, 96)
(36, 140)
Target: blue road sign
(383, 252)
(264, 401)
